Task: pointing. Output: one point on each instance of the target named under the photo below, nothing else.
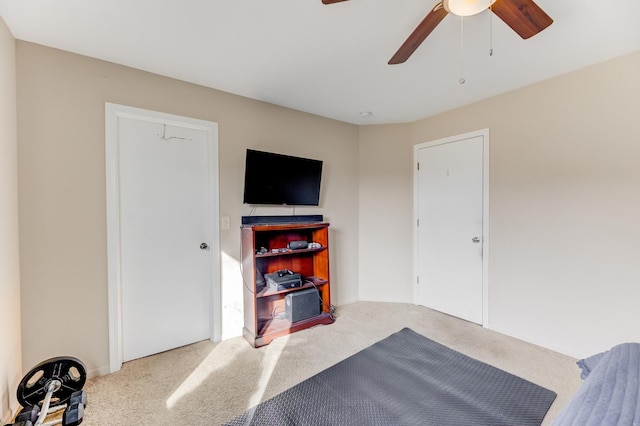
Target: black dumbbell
(22, 423)
(27, 416)
(28, 413)
(78, 397)
(73, 415)
(74, 412)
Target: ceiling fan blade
(331, 1)
(418, 35)
(523, 16)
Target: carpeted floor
(208, 384)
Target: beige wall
(564, 175)
(386, 231)
(11, 352)
(61, 168)
(564, 206)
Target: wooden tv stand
(264, 308)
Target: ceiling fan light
(466, 7)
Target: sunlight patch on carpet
(274, 351)
(216, 360)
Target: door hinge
(418, 165)
(418, 279)
(418, 222)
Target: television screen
(277, 179)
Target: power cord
(331, 309)
(242, 271)
(275, 314)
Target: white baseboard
(347, 301)
(520, 336)
(100, 371)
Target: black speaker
(297, 245)
(302, 304)
(273, 220)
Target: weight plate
(70, 371)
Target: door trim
(114, 112)
(484, 133)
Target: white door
(450, 195)
(164, 218)
(165, 232)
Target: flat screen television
(277, 179)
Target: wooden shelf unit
(262, 305)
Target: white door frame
(484, 133)
(113, 113)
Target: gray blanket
(610, 394)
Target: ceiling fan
(523, 16)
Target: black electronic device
(275, 220)
(283, 280)
(277, 179)
(297, 245)
(303, 304)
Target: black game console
(303, 304)
(283, 280)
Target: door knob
(204, 246)
(475, 240)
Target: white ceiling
(329, 60)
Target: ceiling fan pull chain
(490, 28)
(461, 80)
